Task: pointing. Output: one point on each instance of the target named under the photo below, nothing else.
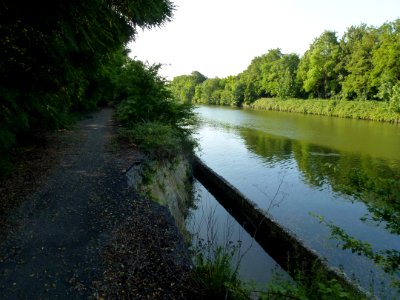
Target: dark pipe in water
(283, 246)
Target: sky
(220, 37)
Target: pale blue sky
(221, 37)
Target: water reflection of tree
(362, 178)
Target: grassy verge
(157, 140)
(366, 110)
(217, 260)
(216, 276)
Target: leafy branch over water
(380, 195)
(388, 259)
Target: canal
(299, 168)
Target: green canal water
(294, 166)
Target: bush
(143, 96)
(157, 140)
(155, 122)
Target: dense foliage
(362, 65)
(61, 57)
(152, 118)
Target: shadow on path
(56, 246)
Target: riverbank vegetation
(366, 110)
(362, 66)
(152, 119)
(217, 275)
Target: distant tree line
(363, 65)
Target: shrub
(155, 122)
(157, 139)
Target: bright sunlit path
(220, 38)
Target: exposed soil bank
(79, 231)
(166, 182)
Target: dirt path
(83, 233)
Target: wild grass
(320, 289)
(216, 277)
(158, 140)
(217, 258)
(215, 273)
(366, 110)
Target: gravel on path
(83, 233)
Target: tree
(183, 87)
(317, 68)
(56, 55)
(233, 91)
(386, 60)
(250, 79)
(269, 71)
(210, 91)
(197, 77)
(364, 65)
(279, 74)
(357, 47)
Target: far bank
(364, 110)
